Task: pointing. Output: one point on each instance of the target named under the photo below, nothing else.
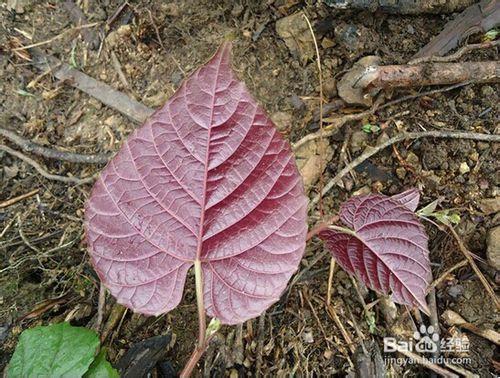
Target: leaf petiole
(345, 230)
(202, 322)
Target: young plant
(384, 245)
(208, 183)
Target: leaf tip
(409, 198)
(223, 53)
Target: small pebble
(327, 43)
(282, 120)
(330, 87)
(297, 102)
(361, 191)
(464, 168)
(308, 337)
(483, 184)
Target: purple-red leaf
(207, 178)
(410, 198)
(385, 246)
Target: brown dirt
(42, 255)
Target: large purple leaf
(207, 178)
(386, 247)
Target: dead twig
(24, 238)
(302, 272)
(260, 344)
(43, 172)
(457, 55)
(417, 75)
(157, 31)
(398, 138)
(14, 200)
(434, 317)
(49, 153)
(474, 267)
(333, 314)
(118, 329)
(100, 307)
(117, 313)
(118, 67)
(443, 276)
(117, 13)
(403, 6)
(320, 77)
(333, 127)
(316, 317)
(57, 37)
(453, 319)
(330, 282)
(336, 123)
(160, 41)
(107, 95)
(43, 307)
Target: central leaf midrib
(205, 173)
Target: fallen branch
(398, 138)
(402, 6)
(453, 319)
(479, 17)
(418, 75)
(106, 94)
(43, 172)
(29, 146)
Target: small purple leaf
(206, 178)
(386, 247)
(410, 198)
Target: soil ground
(42, 254)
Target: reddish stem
(202, 323)
(321, 226)
(193, 360)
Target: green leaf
(491, 35)
(24, 93)
(72, 59)
(447, 217)
(101, 368)
(369, 128)
(429, 209)
(444, 216)
(213, 327)
(54, 351)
